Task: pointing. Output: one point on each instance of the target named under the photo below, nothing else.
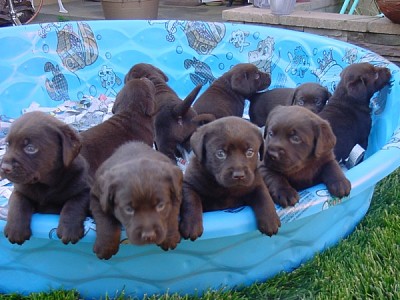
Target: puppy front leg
(336, 182)
(73, 214)
(279, 187)
(173, 235)
(108, 231)
(261, 202)
(18, 227)
(191, 223)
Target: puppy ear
(357, 88)
(262, 145)
(293, 101)
(176, 187)
(325, 139)
(241, 83)
(104, 189)
(203, 119)
(118, 100)
(71, 144)
(197, 143)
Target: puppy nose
(6, 168)
(274, 154)
(148, 235)
(238, 175)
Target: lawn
(365, 265)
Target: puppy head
(141, 194)
(312, 96)
(294, 136)
(145, 70)
(246, 79)
(362, 80)
(38, 147)
(138, 95)
(227, 148)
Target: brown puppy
(223, 174)
(226, 95)
(140, 189)
(310, 95)
(175, 120)
(49, 176)
(299, 154)
(133, 110)
(348, 110)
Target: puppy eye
(257, 76)
(318, 101)
(220, 154)
(249, 153)
(160, 206)
(295, 139)
(300, 102)
(129, 210)
(30, 149)
(270, 133)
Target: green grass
(365, 265)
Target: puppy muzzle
(237, 177)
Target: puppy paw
(190, 229)
(270, 225)
(71, 233)
(340, 188)
(285, 196)
(105, 250)
(171, 242)
(17, 234)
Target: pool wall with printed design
(74, 69)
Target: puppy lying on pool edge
(140, 189)
(223, 174)
(299, 154)
(49, 176)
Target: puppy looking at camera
(226, 95)
(223, 174)
(140, 189)
(299, 154)
(309, 95)
(42, 161)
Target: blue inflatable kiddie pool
(73, 70)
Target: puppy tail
(182, 108)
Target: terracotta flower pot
(391, 9)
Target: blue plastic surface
(49, 64)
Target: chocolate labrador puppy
(226, 95)
(223, 174)
(49, 176)
(175, 120)
(348, 110)
(140, 189)
(310, 95)
(299, 154)
(132, 119)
